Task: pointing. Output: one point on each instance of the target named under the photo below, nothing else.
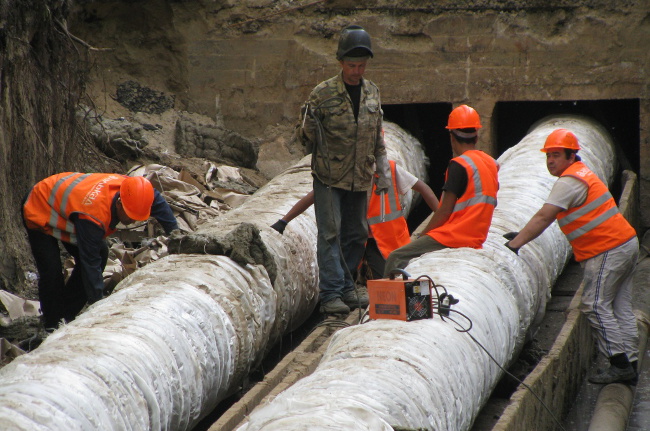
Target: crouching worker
(469, 195)
(81, 210)
(603, 242)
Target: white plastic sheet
(426, 374)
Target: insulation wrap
(426, 374)
(180, 334)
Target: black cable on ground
(466, 330)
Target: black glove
(510, 235)
(279, 225)
(512, 249)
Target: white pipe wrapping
(179, 335)
(425, 373)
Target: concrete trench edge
(301, 362)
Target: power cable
(444, 314)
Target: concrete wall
(250, 64)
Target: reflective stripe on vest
(479, 197)
(394, 206)
(470, 219)
(53, 201)
(68, 232)
(597, 225)
(581, 211)
(389, 230)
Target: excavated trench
(432, 143)
(426, 122)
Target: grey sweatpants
(607, 299)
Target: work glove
(510, 236)
(279, 226)
(384, 181)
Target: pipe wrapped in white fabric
(163, 348)
(294, 252)
(177, 336)
(426, 374)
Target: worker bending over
(468, 199)
(387, 228)
(603, 242)
(81, 210)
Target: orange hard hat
(136, 194)
(464, 117)
(561, 138)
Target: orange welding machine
(404, 299)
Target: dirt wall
(250, 64)
(41, 80)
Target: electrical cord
(444, 314)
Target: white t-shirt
(568, 192)
(404, 179)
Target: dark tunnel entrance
(426, 122)
(510, 123)
(512, 120)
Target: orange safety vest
(52, 202)
(390, 230)
(470, 220)
(597, 225)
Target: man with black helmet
(341, 126)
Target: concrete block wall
(251, 64)
(461, 55)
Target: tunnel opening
(426, 122)
(511, 121)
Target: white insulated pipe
(179, 335)
(426, 374)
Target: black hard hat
(354, 42)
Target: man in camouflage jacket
(341, 126)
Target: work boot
(354, 298)
(633, 381)
(614, 374)
(334, 306)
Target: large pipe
(179, 335)
(425, 373)
(614, 402)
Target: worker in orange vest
(603, 242)
(81, 210)
(468, 199)
(387, 226)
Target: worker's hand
(512, 249)
(279, 226)
(510, 235)
(308, 124)
(384, 181)
(383, 184)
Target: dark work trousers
(342, 234)
(373, 261)
(59, 300)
